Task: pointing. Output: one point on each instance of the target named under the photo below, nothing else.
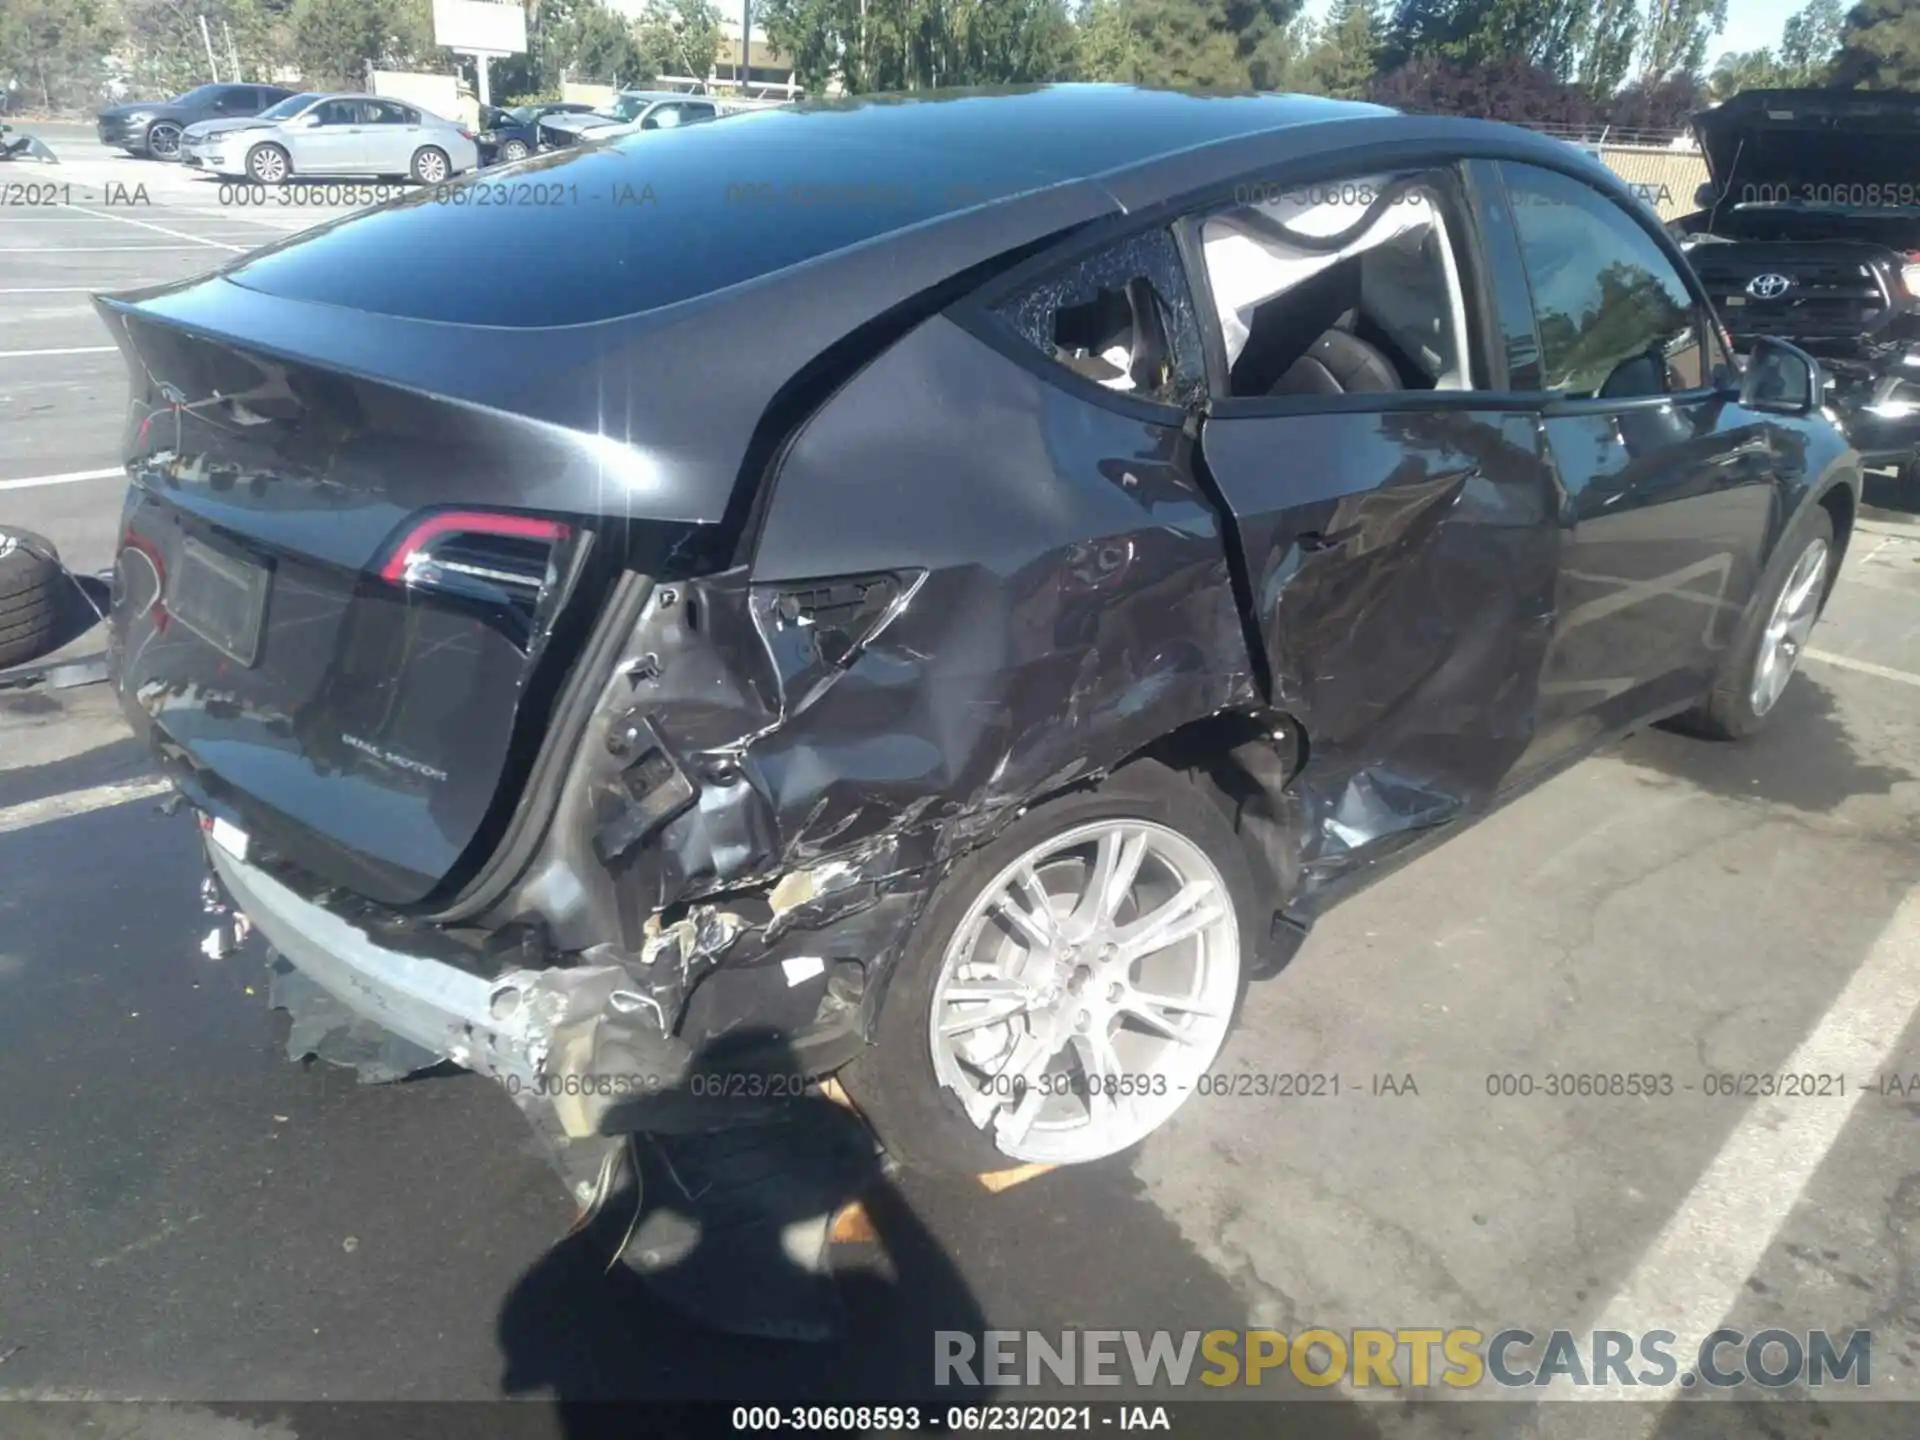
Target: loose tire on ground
(1729, 712)
(31, 585)
(894, 1082)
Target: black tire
(514, 150)
(31, 581)
(893, 1083)
(163, 140)
(269, 165)
(425, 159)
(1727, 713)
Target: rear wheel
(30, 580)
(1767, 648)
(1068, 985)
(268, 165)
(163, 140)
(430, 165)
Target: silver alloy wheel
(163, 140)
(1788, 627)
(513, 150)
(430, 166)
(267, 165)
(1086, 990)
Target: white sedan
(316, 134)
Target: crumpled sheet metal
(1404, 568)
(1066, 601)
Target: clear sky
(1750, 23)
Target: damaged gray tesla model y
(941, 591)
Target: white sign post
(483, 29)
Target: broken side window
(1338, 287)
(1122, 317)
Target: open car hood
(1826, 147)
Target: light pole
(746, 43)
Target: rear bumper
(576, 1037)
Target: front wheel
(1069, 984)
(163, 140)
(513, 150)
(430, 165)
(1766, 650)
(268, 165)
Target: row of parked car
(270, 134)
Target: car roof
(662, 95)
(872, 210)
(792, 185)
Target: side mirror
(1704, 197)
(1782, 379)
(652, 122)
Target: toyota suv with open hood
(956, 631)
(1812, 234)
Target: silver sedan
(314, 134)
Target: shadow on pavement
(1804, 758)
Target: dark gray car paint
(1077, 580)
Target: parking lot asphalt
(185, 1215)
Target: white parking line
(104, 287)
(69, 350)
(71, 477)
(79, 802)
(1865, 667)
(64, 250)
(1694, 1273)
(159, 229)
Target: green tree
(591, 43)
(1739, 70)
(1880, 46)
(1674, 37)
(52, 49)
(1345, 54)
(335, 41)
(1808, 43)
(162, 44)
(680, 37)
(1606, 55)
(915, 44)
(1197, 44)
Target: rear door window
(1339, 287)
(1121, 317)
(1616, 318)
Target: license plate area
(221, 597)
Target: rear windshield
(619, 228)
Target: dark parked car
(514, 133)
(1138, 521)
(1812, 234)
(153, 127)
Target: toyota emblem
(1769, 287)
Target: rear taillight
(514, 567)
(515, 551)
